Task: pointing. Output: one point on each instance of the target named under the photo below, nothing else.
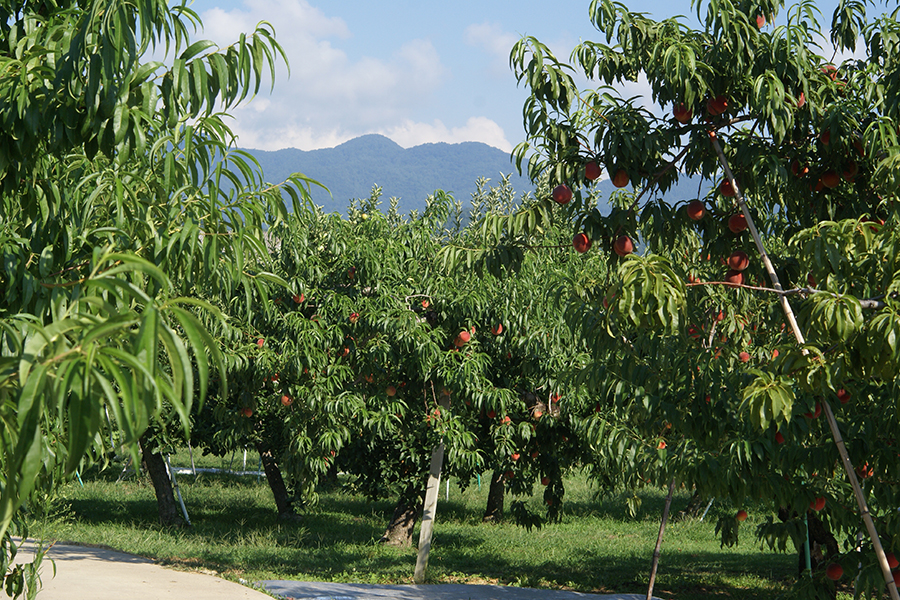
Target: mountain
(351, 169)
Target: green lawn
(597, 547)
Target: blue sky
(416, 71)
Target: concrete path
(90, 573)
(305, 590)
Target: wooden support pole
(431, 497)
(659, 539)
(861, 501)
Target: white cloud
(476, 129)
(330, 96)
(304, 20)
(322, 74)
(337, 91)
(288, 136)
(405, 132)
(495, 40)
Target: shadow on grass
(685, 575)
(613, 505)
(226, 521)
(236, 530)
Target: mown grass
(597, 546)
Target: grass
(597, 546)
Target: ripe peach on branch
(561, 194)
(623, 246)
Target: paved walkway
(305, 590)
(89, 573)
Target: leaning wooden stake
(431, 497)
(798, 335)
(659, 539)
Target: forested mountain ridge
(351, 169)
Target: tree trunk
(329, 481)
(822, 544)
(276, 483)
(399, 531)
(169, 514)
(693, 509)
(494, 511)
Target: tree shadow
(681, 574)
(337, 541)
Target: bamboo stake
(861, 501)
(798, 335)
(659, 539)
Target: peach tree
(115, 218)
(534, 438)
(360, 352)
(347, 367)
(694, 338)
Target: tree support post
(431, 497)
(659, 539)
(706, 510)
(798, 335)
(806, 545)
(187, 519)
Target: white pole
(703, 516)
(193, 466)
(431, 497)
(187, 519)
